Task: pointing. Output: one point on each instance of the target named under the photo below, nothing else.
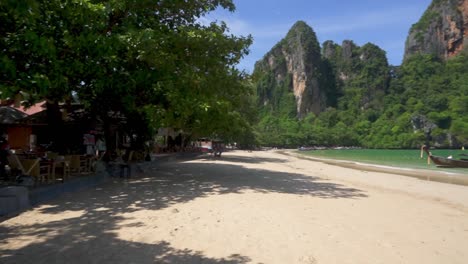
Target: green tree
(152, 59)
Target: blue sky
(384, 23)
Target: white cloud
(242, 27)
(363, 21)
(238, 26)
(367, 20)
(267, 33)
(235, 26)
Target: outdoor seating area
(36, 169)
(35, 152)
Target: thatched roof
(9, 115)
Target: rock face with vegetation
(361, 73)
(291, 75)
(349, 95)
(442, 30)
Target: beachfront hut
(19, 136)
(12, 113)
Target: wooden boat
(446, 162)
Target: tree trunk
(56, 127)
(110, 137)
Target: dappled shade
(164, 185)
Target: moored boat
(446, 162)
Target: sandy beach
(246, 207)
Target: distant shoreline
(428, 175)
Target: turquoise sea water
(396, 158)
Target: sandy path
(260, 207)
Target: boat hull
(441, 161)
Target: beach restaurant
(29, 139)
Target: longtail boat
(446, 162)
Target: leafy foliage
(152, 61)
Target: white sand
(260, 207)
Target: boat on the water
(446, 162)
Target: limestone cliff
(442, 30)
(293, 69)
(361, 73)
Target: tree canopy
(152, 60)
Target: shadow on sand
(164, 184)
